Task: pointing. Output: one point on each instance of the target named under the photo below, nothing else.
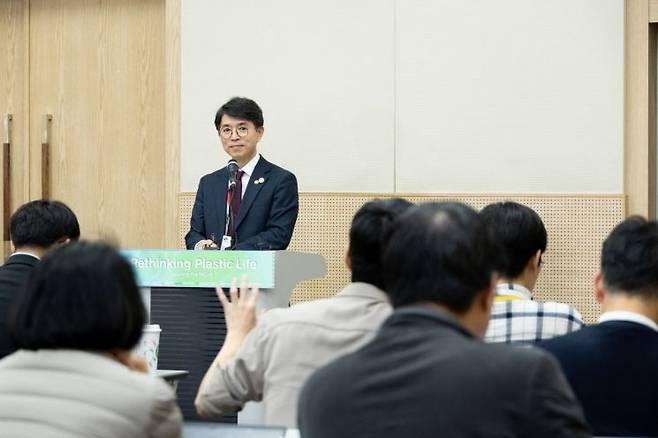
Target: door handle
(6, 175)
(45, 156)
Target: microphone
(232, 174)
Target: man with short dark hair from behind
(515, 316)
(271, 362)
(612, 366)
(426, 373)
(34, 228)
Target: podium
(178, 291)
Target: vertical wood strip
(653, 11)
(651, 146)
(172, 121)
(636, 108)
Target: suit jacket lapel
(262, 169)
(220, 203)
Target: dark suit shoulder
(505, 364)
(600, 340)
(20, 259)
(268, 166)
(512, 354)
(216, 174)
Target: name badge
(226, 243)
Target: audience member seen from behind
(73, 375)
(273, 360)
(426, 373)
(515, 316)
(612, 365)
(34, 228)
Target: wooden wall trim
(653, 11)
(172, 121)
(651, 122)
(26, 107)
(638, 118)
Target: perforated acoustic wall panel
(576, 224)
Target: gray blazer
(69, 393)
(424, 375)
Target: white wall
(411, 95)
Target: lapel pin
(260, 180)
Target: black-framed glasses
(227, 132)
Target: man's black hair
(240, 108)
(370, 231)
(629, 258)
(440, 253)
(520, 231)
(42, 223)
(81, 296)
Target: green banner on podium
(181, 268)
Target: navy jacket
(268, 210)
(613, 369)
(13, 275)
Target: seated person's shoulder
(562, 307)
(570, 340)
(506, 358)
(305, 312)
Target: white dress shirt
(625, 315)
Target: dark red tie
(237, 196)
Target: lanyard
(503, 298)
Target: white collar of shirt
(625, 315)
(514, 290)
(248, 168)
(25, 253)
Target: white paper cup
(148, 345)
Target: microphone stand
(230, 216)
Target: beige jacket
(70, 393)
(287, 345)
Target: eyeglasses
(227, 132)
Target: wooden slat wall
(576, 224)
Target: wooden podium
(178, 291)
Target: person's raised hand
(240, 312)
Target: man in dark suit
(34, 228)
(427, 373)
(265, 199)
(613, 366)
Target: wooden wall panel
(172, 120)
(98, 68)
(577, 226)
(639, 110)
(14, 64)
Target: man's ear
(492, 291)
(486, 298)
(599, 289)
(535, 260)
(260, 132)
(12, 247)
(348, 260)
